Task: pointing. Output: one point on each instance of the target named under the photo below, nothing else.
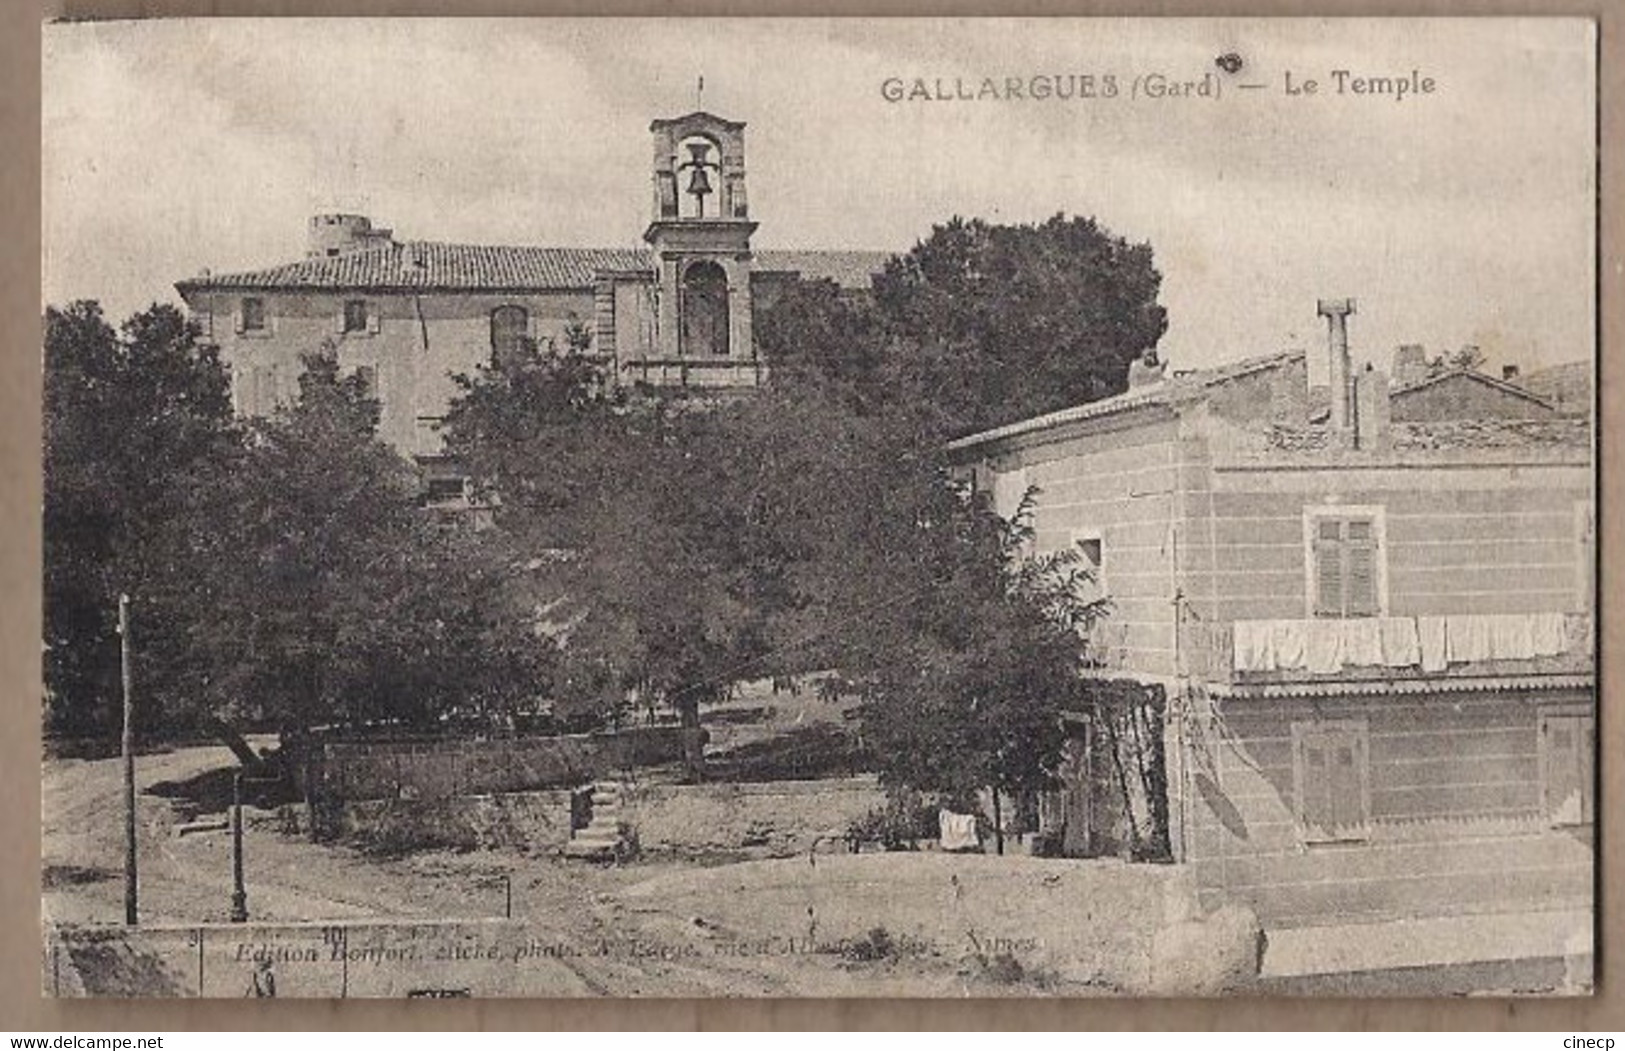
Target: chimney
(1410, 364)
(1509, 373)
(1336, 312)
(1372, 410)
(336, 234)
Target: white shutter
(374, 319)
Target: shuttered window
(1345, 560)
(1330, 766)
(509, 326)
(251, 316)
(1568, 750)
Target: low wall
(1109, 926)
(778, 817)
(351, 771)
(1113, 926)
(521, 821)
(775, 818)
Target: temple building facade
(410, 315)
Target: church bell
(699, 180)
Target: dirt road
(604, 947)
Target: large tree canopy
(792, 530)
(127, 415)
(282, 572)
(980, 324)
(331, 595)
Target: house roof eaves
(1169, 393)
(1473, 374)
(1392, 687)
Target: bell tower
(700, 233)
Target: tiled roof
(1166, 392)
(1472, 374)
(846, 268)
(1567, 386)
(433, 265)
(1558, 433)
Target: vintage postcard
(665, 507)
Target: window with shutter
(1329, 569)
(509, 326)
(252, 315)
(355, 315)
(1331, 780)
(1567, 767)
(1345, 563)
(1360, 558)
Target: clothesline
(1325, 646)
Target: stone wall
(1106, 926)
(772, 819)
(779, 817)
(437, 769)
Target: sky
(1465, 215)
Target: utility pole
(129, 759)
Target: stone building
(409, 315)
(1371, 635)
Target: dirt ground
(650, 951)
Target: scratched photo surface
(828, 508)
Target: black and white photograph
(763, 508)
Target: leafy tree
(328, 595)
(985, 324)
(281, 573)
(127, 414)
(980, 669)
(629, 502)
(814, 524)
(816, 335)
(781, 533)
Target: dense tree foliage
(783, 532)
(330, 596)
(980, 324)
(978, 669)
(127, 414)
(282, 572)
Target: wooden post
(128, 747)
(998, 824)
(239, 893)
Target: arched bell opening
(704, 307)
